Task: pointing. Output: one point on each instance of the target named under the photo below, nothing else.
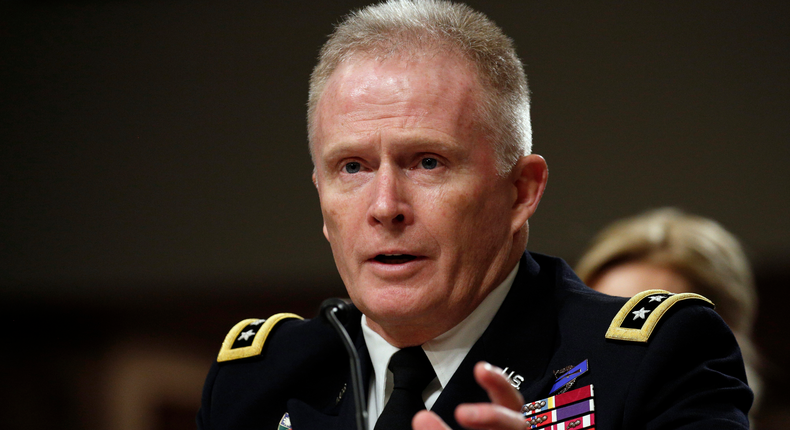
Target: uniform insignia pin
(285, 422)
(566, 379)
(559, 372)
(514, 379)
(340, 395)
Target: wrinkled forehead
(419, 84)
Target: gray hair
(399, 27)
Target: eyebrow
(423, 144)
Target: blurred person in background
(671, 250)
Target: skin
(501, 414)
(628, 279)
(404, 168)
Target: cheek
(466, 223)
(341, 222)
(481, 208)
(336, 210)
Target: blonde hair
(414, 27)
(699, 249)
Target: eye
(428, 163)
(352, 167)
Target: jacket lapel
(521, 337)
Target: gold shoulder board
(246, 338)
(639, 316)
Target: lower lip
(400, 270)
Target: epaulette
(246, 338)
(639, 316)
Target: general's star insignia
(246, 335)
(652, 305)
(246, 339)
(640, 313)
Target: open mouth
(394, 258)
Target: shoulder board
(638, 317)
(246, 338)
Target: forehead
(438, 91)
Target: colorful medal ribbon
(569, 410)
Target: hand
(503, 413)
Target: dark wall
(164, 142)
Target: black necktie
(412, 371)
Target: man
(420, 136)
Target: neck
(403, 336)
(412, 333)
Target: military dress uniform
(581, 360)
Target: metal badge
(566, 379)
(285, 422)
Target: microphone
(333, 311)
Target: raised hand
(503, 413)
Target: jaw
(400, 329)
(413, 311)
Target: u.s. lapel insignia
(514, 378)
(639, 316)
(285, 422)
(574, 409)
(566, 378)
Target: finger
(487, 416)
(426, 420)
(497, 386)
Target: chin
(394, 305)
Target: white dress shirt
(446, 351)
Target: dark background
(156, 188)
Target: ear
(529, 176)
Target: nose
(389, 205)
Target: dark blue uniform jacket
(689, 375)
